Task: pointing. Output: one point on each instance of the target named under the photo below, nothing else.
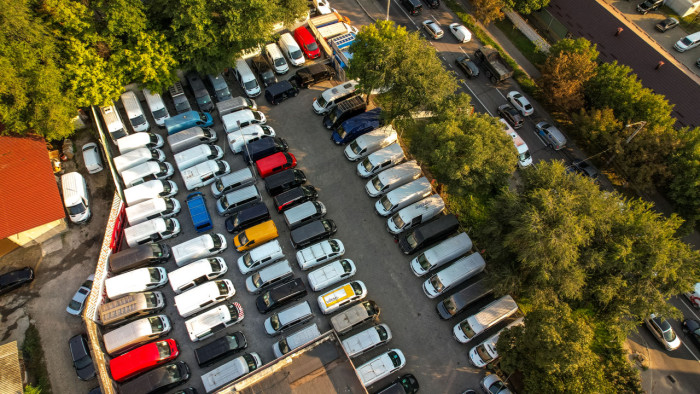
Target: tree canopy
(570, 64)
(527, 6)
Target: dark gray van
(285, 180)
(343, 111)
(247, 217)
(280, 91)
(414, 7)
(264, 147)
(158, 380)
(223, 347)
(458, 301)
(292, 197)
(138, 256)
(312, 232)
(280, 295)
(428, 233)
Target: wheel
(296, 93)
(494, 79)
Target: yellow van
(342, 296)
(256, 235)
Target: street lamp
(388, 3)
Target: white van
(149, 190)
(371, 142)
(136, 333)
(486, 318)
(216, 319)
(147, 171)
(415, 214)
(195, 273)
(332, 96)
(248, 134)
(191, 137)
(291, 49)
(268, 276)
(75, 197)
(139, 140)
(288, 318)
(274, 55)
(320, 253)
(157, 107)
(134, 112)
(381, 160)
(136, 157)
(296, 340)
(403, 196)
(239, 119)
(246, 79)
(230, 371)
(136, 281)
(159, 207)
(198, 248)
(204, 173)
(485, 352)
(232, 181)
(442, 253)
(92, 158)
(113, 121)
(367, 340)
(152, 230)
(203, 296)
(688, 42)
(260, 256)
(304, 213)
(454, 274)
(331, 274)
(196, 155)
(392, 178)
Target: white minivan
(136, 281)
(204, 173)
(147, 171)
(157, 107)
(151, 231)
(139, 140)
(246, 78)
(291, 49)
(240, 119)
(274, 55)
(136, 157)
(688, 42)
(198, 248)
(159, 207)
(415, 214)
(149, 190)
(134, 112)
(75, 197)
(380, 160)
(198, 154)
(200, 271)
(260, 256)
(203, 296)
(238, 139)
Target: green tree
(684, 188)
(579, 46)
(527, 6)
(488, 11)
(150, 63)
(563, 77)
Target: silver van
(149, 190)
(246, 79)
(234, 104)
(134, 112)
(139, 140)
(332, 96)
(216, 319)
(221, 90)
(113, 121)
(688, 42)
(454, 274)
(487, 317)
(268, 276)
(136, 157)
(159, 207)
(76, 199)
(153, 230)
(196, 155)
(136, 281)
(381, 160)
(204, 173)
(239, 119)
(158, 109)
(288, 318)
(392, 178)
(403, 196)
(147, 171)
(196, 273)
(236, 200)
(291, 49)
(442, 253)
(135, 333)
(203, 296)
(260, 256)
(371, 142)
(276, 59)
(191, 137)
(415, 214)
(304, 213)
(355, 316)
(296, 340)
(198, 248)
(232, 181)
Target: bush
(34, 360)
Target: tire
(494, 79)
(296, 93)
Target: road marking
(405, 13)
(691, 352)
(691, 309)
(435, 19)
(499, 92)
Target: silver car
(433, 29)
(76, 305)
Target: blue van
(356, 126)
(198, 212)
(187, 120)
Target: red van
(275, 163)
(142, 359)
(307, 43)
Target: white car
(319, 253)
(331, 274)
(433, 29)
(367, 340)
(381, 366)
(694, 296)
(663, 332)
(491, 383)
(461, 33)
(323, 7)
(520, 103)
(238, 139)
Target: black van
(406, 384)
(312, 75)
(280, 91)
(280, 295)
(264, 147)
(247, 217)
(220, 348)
(343, 111)
(158, 380)
(312, 232)
(138, 256)
(413, 240)
(298, 195)
(285, 180)
(414, 7)
(456, 303)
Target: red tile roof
(29, 194)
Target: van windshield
(435, 281)
(223, 288)
(242, 239)
(221, 167)
(321, 101)
(151, 300)
(166, 187)
(139, 120)
(156, 324)
(152, 138)
(257, 281)
(160, 113)
(524, 156)
(356, 288)
(266, 299)
(483, 353)
(247, 260)
(334, 246)
(412, 241)
(155, 275)
(284, 347)
(467, 329)
(77, 209)
(169, 204)
(173, 372)
(378, 185)
(450, 306)
(250, 361)
(250, 85)
(341, 132)
(386, 204)
(214, 264)
(686, 41)
(423, 262)
(217, 242)
(275, 322)
(163, 350)
(367, 165)
(355, 147)
(312, 46)
(398, 222)
(279, 62)
(295, 54)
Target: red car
(307, 43)
(142, 359)
(275, 163)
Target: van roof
(392, 151)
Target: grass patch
(34, 360)
(527, 47)
(690, 23)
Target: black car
(15, 279)
(511, 115)
(312, 232)
(220, 348)
(283, 181)
(649, 5)
(406, 384)
(584, 168)
(691, 328)
(313, 74)
(264, 70)
(468, 66)
(201, 94)
(158, 380)
(432, 3)
(247, 217)
(667, 24)
(298, 195)
(280, 295)
(82, 362)
(414, 7)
